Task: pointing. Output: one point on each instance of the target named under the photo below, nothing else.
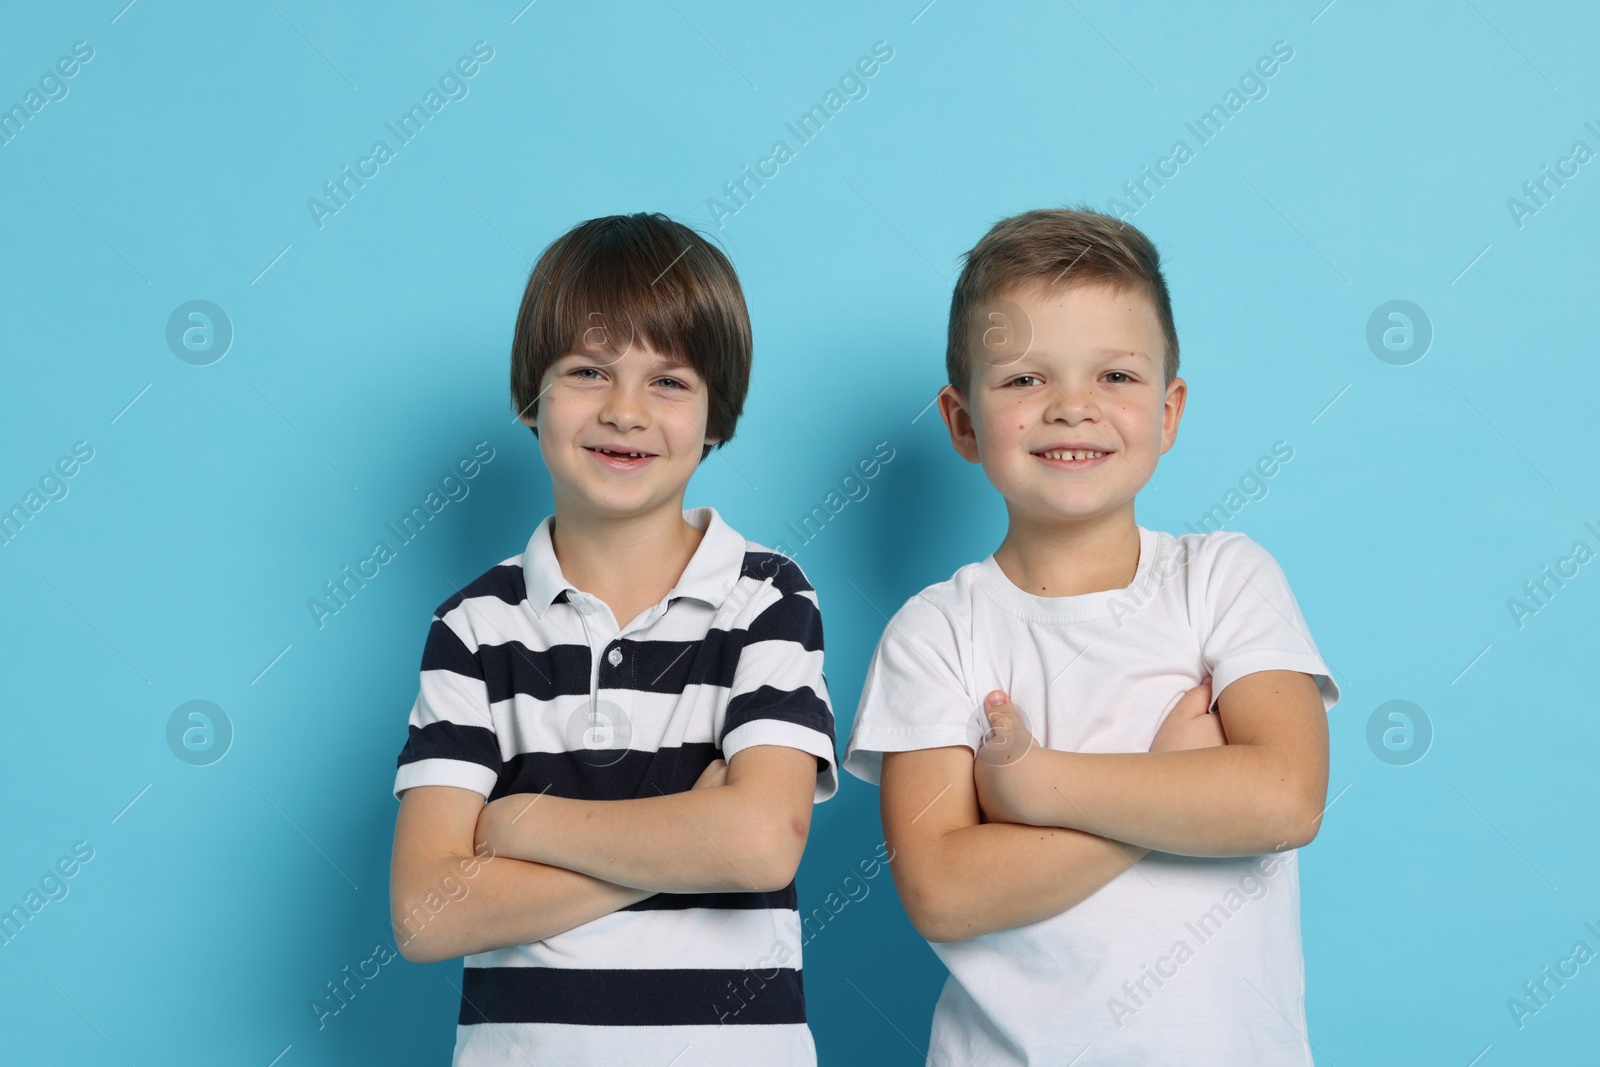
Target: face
(620, 435)
(1067, 409)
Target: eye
(1023, 378)
(674, 382)
(1118, 377)
(581, 371)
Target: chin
(622, 502)
(1078, 510)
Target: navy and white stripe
(528, 685)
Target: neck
(639, 557)
(1069, 557)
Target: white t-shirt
(1178, 959)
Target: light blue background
(373, 353)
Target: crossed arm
(469, 877)
(1052, 827)
(741, 835)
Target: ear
(1172, 412)
(958, 419)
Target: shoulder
(764, 566)
(927, 646)
(763, 575)
(775, 601)
(503, 584)
(951, 597)
(1227, 573)
(939, 611)
(1210, 555)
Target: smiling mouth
(621, 455)
(1072, 454)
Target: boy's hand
(1190, 724)
(715, 774)
(999, 772)
(488, 823)
(498, 814)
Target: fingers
(715, 774)
(1197, 700)
(998, 707)
(1005, 722)
(1008, 737)
(1187, 713)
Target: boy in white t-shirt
(1106, 868)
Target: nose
(624, 406)
(1073, 402)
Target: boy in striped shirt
(620, 733)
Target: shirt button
(614, 657)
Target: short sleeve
(451, 737)
(914, 696)
(779, 694)
(1251, 621)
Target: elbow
(415, 949)
(1303, 831)
(772, 862)
(929, 911)
(414, 952)
(1295, 835)
(933, 930)
(417, 932)
(941, 927)
(931, 893)
(1299, 817)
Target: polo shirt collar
(710, 576)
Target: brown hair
(1066, 246)
(610, 280)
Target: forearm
(1232, 800)
(701, 841)
(995, 876)
(502, 902)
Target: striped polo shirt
(529, 685)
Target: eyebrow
(1096, 353)
(1126, 352)
(662, 361)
